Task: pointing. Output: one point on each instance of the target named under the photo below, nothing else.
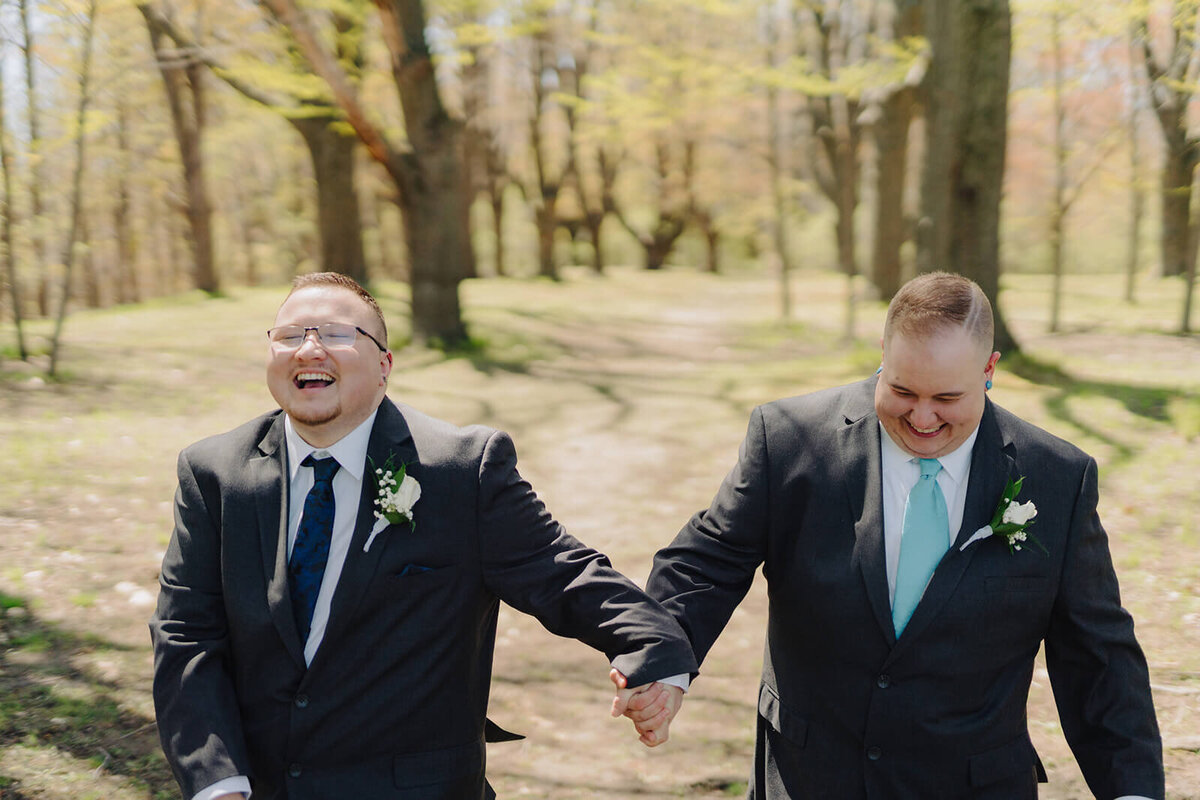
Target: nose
(923, 415)
(311, 342)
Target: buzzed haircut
(338, 280)
(938, 300)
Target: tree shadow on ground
(1149, 402)
(47, 700)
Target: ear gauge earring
(987, 384)
(879, 370)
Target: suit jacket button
(294, 770)
(301, 701)
(883, 681)
(874, 753)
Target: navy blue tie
(311, 550)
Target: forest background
(649, 212)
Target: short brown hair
(940, 299)
(340, 281)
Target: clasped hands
(651, 707)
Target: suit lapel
(269, 477)
(990, 467)
(862, 471)
(390, 437)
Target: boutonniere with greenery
(1010, 521)
(396, 492)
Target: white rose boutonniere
(396, 494)
(1010, 521)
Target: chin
(313, 419)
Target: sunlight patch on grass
(1184, 413)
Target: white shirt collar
(350, 451)
(956, 464)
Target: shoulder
(438, 440)
(233, 444)
(833, 406)
(1034, 443)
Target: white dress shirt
(900, 473)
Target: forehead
(317, 304)
(935, 361)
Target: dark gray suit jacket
(394, 702)
(845, 710)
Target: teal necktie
(923, 540)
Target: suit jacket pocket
(1006, 761)
(1017, 583)
(413, 572)
(450, 772)
(789, 724)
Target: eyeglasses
(329, 334)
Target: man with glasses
(328, 603)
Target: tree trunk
(891, 145)
(966, 116)
(127, 288)
(68, 258)
(92, 293)
(434, 228)
(778, 169)
(1179, 164)
(1189, 286)
(497, 201)
(1058, 211)
(712, 249)
(430, 180)
(186, 101)
(10, 257)
(338, 216)
(546, 216)
(594, 222)
(1137, 197)
(41, 265)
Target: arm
(1099, 675)
(703, 575)
(535, 566)
(197, 713)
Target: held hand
(651, 707)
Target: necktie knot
(323, 468)
(930, 467)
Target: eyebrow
(952, 394)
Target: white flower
(409, 492)
(1019, 513)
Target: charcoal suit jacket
(393, 704)
(845, 710)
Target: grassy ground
(627, 397)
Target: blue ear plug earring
(879, 370)
(987, 385)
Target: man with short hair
(908, 596)
(328, 603)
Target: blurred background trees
(234, 143)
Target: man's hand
(651, 707)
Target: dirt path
(627, 398)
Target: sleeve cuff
(683, 681)
(234, 785)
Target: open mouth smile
(313, 380)
(925, 433)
